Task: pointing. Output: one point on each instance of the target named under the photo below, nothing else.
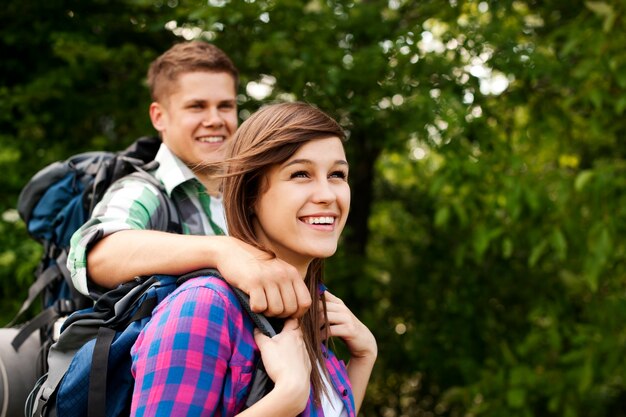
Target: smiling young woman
(314, 200)
(286, 192)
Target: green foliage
(71, 81)
(485, 241)
(514, 218)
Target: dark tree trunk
(362, 159)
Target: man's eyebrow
(203, 101)
(195, 100)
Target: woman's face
(304, 203)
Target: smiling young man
(194, 109)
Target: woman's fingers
(260, 338)
(332, 298)
(291, 324)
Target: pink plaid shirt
(196, 356)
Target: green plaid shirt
(130, 204)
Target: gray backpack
(90, 365)
(55, 202)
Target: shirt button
(345, 392)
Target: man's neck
(211, 183)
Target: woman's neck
(301, 264)
(303, 270)
(298, 261)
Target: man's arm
(122, 241)
(275, 287)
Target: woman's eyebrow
(298, 161)
(309, 162)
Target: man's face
(198, 116)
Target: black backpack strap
(43, 280)
(99, 371)
(61, 307)
(260, 386)
(46, 317)
(145, 148)
(96, 397)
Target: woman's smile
(311, 188)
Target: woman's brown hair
(269, 137)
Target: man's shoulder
(171, 170)
(136, 187)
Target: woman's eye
(300, 174)
(339, 174)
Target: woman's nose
(324, 192)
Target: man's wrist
(216, 249)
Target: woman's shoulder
(209, 281)
(206, 289)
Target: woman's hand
(287, 362)
(359, 340)
(345, 325)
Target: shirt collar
(172, 172)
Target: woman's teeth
(320, 220)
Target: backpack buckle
(64, 306)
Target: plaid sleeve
(128, 204)
(181, 358)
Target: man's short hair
(183, 58)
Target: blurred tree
(70, 81)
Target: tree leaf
(582, 179)
(516, 397)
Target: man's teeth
(319, 220)
(211, 139)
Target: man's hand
(274, 286)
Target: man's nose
(212, 118)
